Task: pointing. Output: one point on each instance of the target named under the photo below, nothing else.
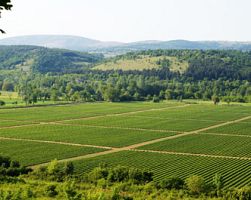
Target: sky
(131, 20)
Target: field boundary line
(192, 154)
(180, 119)
(119, 128)
(225, 134)
(56, 142)
(21, 125)
(222, 124)
(93, 155)
(121, 114)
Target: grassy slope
(144, 62)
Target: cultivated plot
(206, 144)
(145, 123)
(241, 128)
(202, 113)
(55, 113)
(30, 153)
(84, 135)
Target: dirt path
(222, 124)
(132, 147)
(121, 114)
(228, 135)
(55, 142)
(193, 154)
(119, 128)
(21, 125)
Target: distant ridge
(70, 42)
(85, 44)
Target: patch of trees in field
(117, 87)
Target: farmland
(168, 138)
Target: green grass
(235, 172)
(143, 62)
(83, 135)
(30, 153)
(206, 144)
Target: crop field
(206, 144)
(168, 138)
(29, 153)
(83, 135)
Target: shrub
(195, 184)
(2, 103)
(172, 183)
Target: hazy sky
(132, 20)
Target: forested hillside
(43, 60)
(152, 75)
(195, 64)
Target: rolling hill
(43, 60)
(58, 41)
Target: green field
(168, 138)
(206, 144)
(235, 129)
(146, 123)
(83, 135)
(143, 62)
(30, 153)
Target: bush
(2, 103)
(172, 183)
(119, 174)
(196, 184)
(51, 190)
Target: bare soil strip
(228, 135)
(193, 154)
(18, 126)
(55, 142)
(132, 147)
(119, 128)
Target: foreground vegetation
(59, 182)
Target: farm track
(119, 128)
(228, 135)
(55, 142)
(132, 147)
(121, 114)
(192, 154)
